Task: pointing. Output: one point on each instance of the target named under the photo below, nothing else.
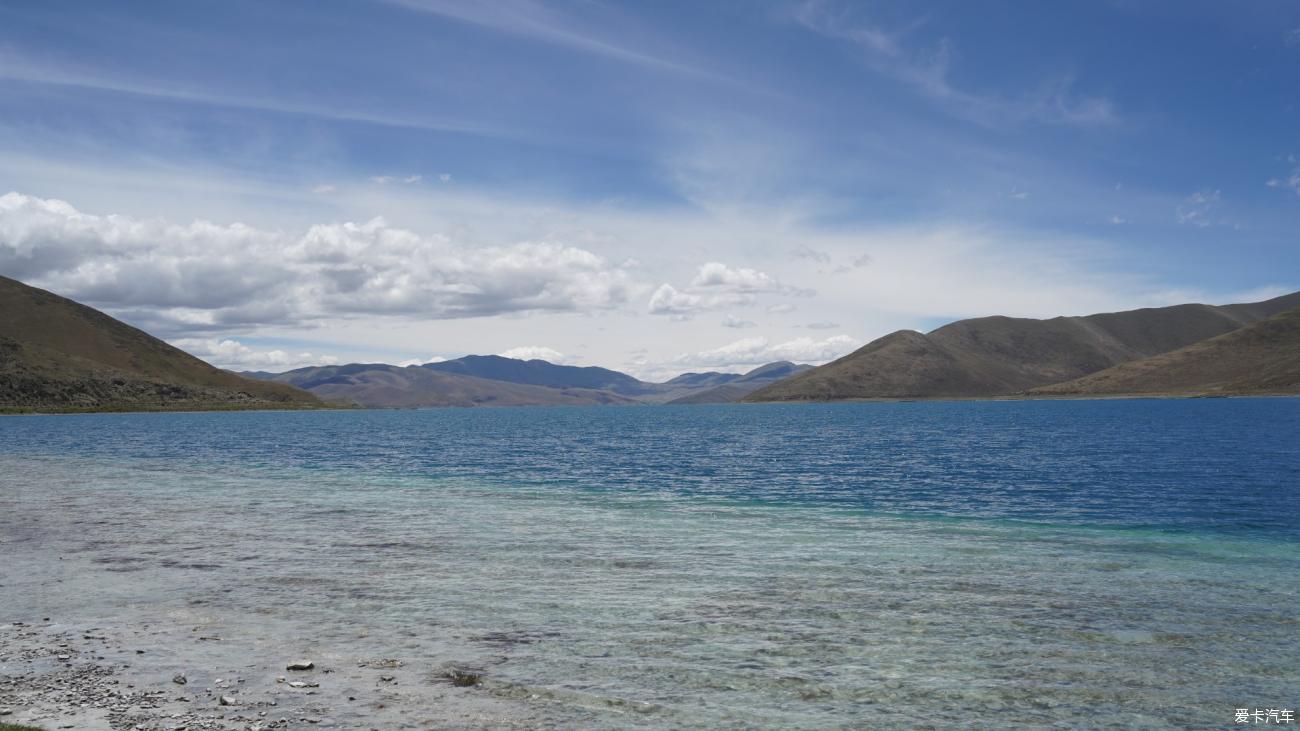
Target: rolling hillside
(1001, 356)
(1261, 358)
(58, 355)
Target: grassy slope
(1001, 356)
(58, 355)
(1262, 358)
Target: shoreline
(874, 400)
(87, 677)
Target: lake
(1091, 564)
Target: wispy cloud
(1200, 209)
(737, 323)
(927, 70)
(543, 23)
(389, 179)
(16, 68)
(1291, 181)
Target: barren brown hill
(1261, 358)
(58, 355)
(1001, 356)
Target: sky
(652, 187)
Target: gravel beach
(57, 676)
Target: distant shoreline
(879, 400)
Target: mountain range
(58, 355)
(1004, 356)
(493, 380)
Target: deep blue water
(1197, 465)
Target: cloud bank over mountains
(204, 275)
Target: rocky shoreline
(55, 677)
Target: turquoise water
(1076, 564)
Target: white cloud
(204, 275)
(445, 177)
(1292, 180)
(782, 308)
(1117, 220)
(1199, 208)
(388, 179)
(667, 300)
(324, 189)
(1018, 194)
(535, 352)
(717, 275)
(1292, 37)
(822, 325)
(234, 355)
(759, 350)
(717, 285)
(421, 361)
(737, 323)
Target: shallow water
(1083, 564)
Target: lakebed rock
(300, 665)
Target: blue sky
(656, 187)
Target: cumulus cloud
(203, 275)
(717, 275)
(666, 300)
(534, 352)
(759, 350)
(234, 355)
(717, 285)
